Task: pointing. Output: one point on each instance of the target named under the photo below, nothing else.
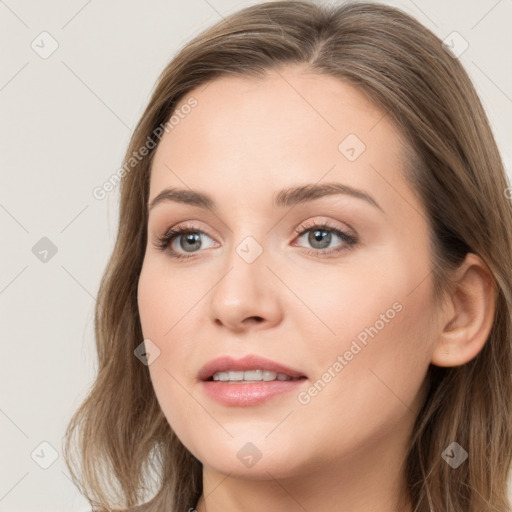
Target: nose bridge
(249, 239)
(247, 289)
(246, 265)
(250, 249)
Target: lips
(250, 362)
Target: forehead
(247, 137)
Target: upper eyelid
(346, 228)
(304, 225)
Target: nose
(248, 294)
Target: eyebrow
(284, 198)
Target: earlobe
(470, 314)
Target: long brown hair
(126, 450)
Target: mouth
(258, 375)
(249, 381)
(248, 369)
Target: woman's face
(348, 307)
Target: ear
(467, 315)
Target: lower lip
(242, 394)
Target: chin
(248, 460)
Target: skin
(245, 140)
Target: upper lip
(249, 362)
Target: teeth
(250, 376)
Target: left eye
(321, 235)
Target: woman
(308, 304)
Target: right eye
(187, 237)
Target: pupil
(316, 236)
(192, 238)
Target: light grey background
(66, 122)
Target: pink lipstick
(248, 381)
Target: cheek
(165, 298)
(374, 350)
(338, 305)
(167, 302)
(371, 372)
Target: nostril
(255, 319)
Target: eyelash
(163, 242)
